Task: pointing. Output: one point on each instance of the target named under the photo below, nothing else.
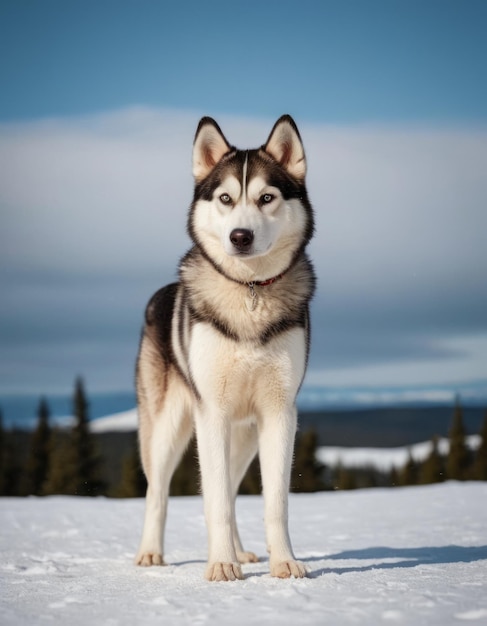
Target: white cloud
(399, 208)
(401, 218)
(468, 364)
(393, 205)
(106, 193)
(386, 199)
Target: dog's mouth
(243, 253)
(247, 253)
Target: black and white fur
(224, 350)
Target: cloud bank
(93, 214)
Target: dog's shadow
(397, 557)
(382, 557)
(188, 562)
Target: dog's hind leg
(163, 439)
(243, 448)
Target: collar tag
(251, 302)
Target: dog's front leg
(276, 442)
(213, 434)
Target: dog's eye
(266, 198)
(225, 198)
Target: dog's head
(250, 207)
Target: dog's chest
(245, 375)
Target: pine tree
(366, 477)
(344, 478)
(61, 475)
(10, 464)
(37, 463)
(432, 470)
(186, 479)
(458, 460)
(133, 483)
(2, 455)
(74, 459)
(409, 473)
(252, 482)
(394, 477)
(86, 455)
(479, 469)
(307, 471)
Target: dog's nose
(242, 239)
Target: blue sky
(344, 61)
(99, 103)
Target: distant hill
(374, 428)
(385, 427)
(382, 427)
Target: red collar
(264, 283)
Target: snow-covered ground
(400, 556)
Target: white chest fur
(243, 378)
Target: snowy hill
(125, 421)
(408, 556)
(385, 459)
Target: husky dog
(224, 350)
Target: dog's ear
(208, 148)
(285, 146)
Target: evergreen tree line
(58, 460)
(459, 463)
(69, 461)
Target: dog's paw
(286, 569)
(146, 559)
(247, 557)
(223, 572)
